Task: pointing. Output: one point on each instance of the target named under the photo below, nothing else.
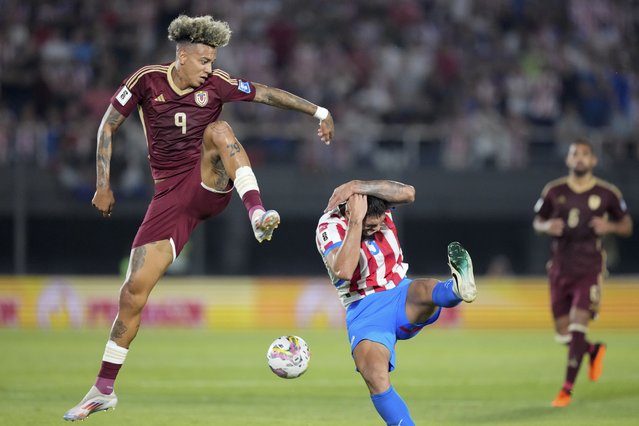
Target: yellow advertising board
(287, 303)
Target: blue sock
(443, 294)
(392, 408)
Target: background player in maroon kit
(196, 162)
(577, 211)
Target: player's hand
(600, 225)
(103, 200)
(555, 227)
(326, 129)
(340, 195)
(357, 206)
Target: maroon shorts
(179, 204)
(579, 291)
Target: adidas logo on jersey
(160, 98)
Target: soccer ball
(288, 356)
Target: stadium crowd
(455, 84)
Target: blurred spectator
(496, 83)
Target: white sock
(114, 354)
(245, 181)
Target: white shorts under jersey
(380, 266)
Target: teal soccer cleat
(461, 267)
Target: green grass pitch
(199, 377)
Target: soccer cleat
(596, 362)
(461, 266)
(93, 402)
(562, 399)
(264, 225)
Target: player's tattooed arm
(103, 200)
(110, 123)
(388, 190)
(283, 99)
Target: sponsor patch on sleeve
(243, 86)
(123, 96)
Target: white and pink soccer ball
(288, 356)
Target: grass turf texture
(447, 377)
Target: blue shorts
(381, 317)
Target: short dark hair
(376, 206)
(584, 142)
(200, 29)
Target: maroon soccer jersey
(174, 120)
(578, 250)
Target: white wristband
(321, 113)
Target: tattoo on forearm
(393, 188)
(113, 120)
(103, 161)
(385, 189)
(284, 99)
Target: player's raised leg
(223, 158)
(147, 264)
(426, 294)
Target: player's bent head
(375, 215)
(376, 206)
(200, 29)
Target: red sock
(577, 348)
(106, 377)
(252, 201)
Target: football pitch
(198, 377)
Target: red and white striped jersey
(381, 266)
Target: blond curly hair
(200, 29)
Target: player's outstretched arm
(388, 190)
(283, 99)
(103, 200)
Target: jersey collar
(174, 86)
(581, 189)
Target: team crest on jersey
(243, 86)
(202, 98)
(561, 199)
(594, 201)
(373, 247)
